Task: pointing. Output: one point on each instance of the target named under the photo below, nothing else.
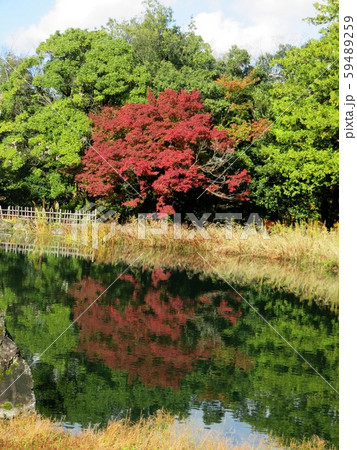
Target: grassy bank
(157, 433)
(306, 245)
(301, 259)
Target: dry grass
(315, 443)
(33, 432)
(306, 245)
(156, 433)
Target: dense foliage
(279, 112)
(297, 174)
(165, 150)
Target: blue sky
(19, 13)
(257, 25)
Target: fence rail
(54, 216)
(56, 249)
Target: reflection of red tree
(226, 311)
(158, 275)
(146, 339)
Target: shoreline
(301, 260)
(305, 244)
(289, 260)
(157, 432)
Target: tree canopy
(166, 150)
(280, 111)
(297, 171)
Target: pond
(174, 340)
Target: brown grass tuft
(33, 432)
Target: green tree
(8, 62)
(44, 105)
(237, 62)
(40, 151)
(174, 58)
(297, 167)
(156, 38)
(92, 68)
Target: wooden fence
(54, 216)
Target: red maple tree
(162, 150)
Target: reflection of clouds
(36, 357)
(230, 427)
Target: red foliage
(164, 147)
(145, 339)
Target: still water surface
(174, 340)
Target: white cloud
(259, 26)
(72, 13)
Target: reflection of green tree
(38, 279)
(36, 330)
(253, 372)
(281, 393)
(89, 392)
(34, 295)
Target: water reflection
(173, 340)
(156, 337)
